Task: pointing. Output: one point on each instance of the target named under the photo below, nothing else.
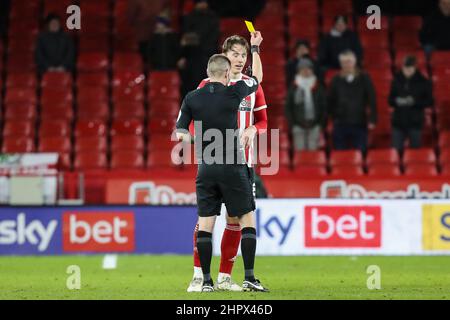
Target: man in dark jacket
(350, 93)
(410, 94)
(435, 31)
(163, 49)
(337, 41)
(302, 50)
(54, 50)
(306, 107)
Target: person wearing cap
(302, 50)
(410, 94)
(338, 40)
(306, 107)
(163, 49)
(54, 49)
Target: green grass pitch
(167, 277)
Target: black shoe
(208, 286)
(254, 285)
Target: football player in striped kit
(252, 120)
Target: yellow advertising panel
(436, 227)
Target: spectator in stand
(410, 94)
(435, 33)
(55, 49)
(337, 41)
(201, 32)
(163, 50)
(350, 92)
(306, 107)
(191, 64)
(142, 16)
(302, 50)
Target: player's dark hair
(233, 40)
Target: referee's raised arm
(255, 42)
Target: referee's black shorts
(231, 184)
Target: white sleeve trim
(260, 108)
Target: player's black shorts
(230, 184)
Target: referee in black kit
(223, 175)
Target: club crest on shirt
(245, 105)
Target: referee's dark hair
(218, 65)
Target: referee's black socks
(204, 247)
(248, 248)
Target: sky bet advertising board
(284, 227)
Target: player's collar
(237, 79)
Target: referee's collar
(216, 84)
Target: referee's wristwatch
(254, 49)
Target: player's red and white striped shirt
(252, 111)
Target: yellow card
(250, 26)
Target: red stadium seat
(127, 142)
(21, 80)
(128, 78)
(91, 94)
(127, 160)
(21, 111)
(53, 96)
(347, 171)
(125, 44)
(160, 141)
(55, 144)
(127, 127)
(444, 140)
(88, 143)
(98, 110)
(161, 125)
(17, 145)
(57, 111)
(374, 40)
(384, 170)
(20, 95)
(382, 57)
(56, 80)
(346, 157)
(128, 110)
(410, 23)
(92, 128)
(96, 44)
(337, 7)
(295, 7)
(90, 160)
(306, 172)
(52, 128)
(166, 78)
(418, 156)
(160, 158)
(92, 62)
(127, 61)
(98, 79)
(444, 157)
(406, 40)
(446, 170)
(383, 156)
(18, 128)
(310, 158)
(21, 62)
(95, 8)
(128, 94)
(421, 170)
(230, 26)
(380, 75)
(440, 58)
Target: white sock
(198, 273)
(222, 276)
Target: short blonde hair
(218, 65)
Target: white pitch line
(110, 261)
